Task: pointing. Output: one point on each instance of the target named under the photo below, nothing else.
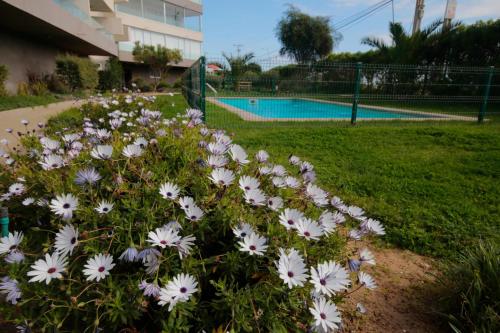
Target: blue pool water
(301, 108)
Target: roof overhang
(46, 22)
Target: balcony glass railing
(70, 7)
(162, 11)
(190, 49)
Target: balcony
(163, 12)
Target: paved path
(12, 118)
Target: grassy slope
(14, 102)
(435, 186)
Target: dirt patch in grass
(402, 302)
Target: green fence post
(355, 101)
(486, 96)
(203, 87)
(4, 221)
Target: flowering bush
(132, 221)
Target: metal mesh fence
(274, 91)
(194, 85)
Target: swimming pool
(295, 108)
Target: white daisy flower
(141, 142)
(327, 222)
(242, 230)
(104, 207)
(291, 268)
(48, 269)
(186, 202)
(217, 148)
(309, 229)
(355, 212)
(217, 161)
(221, 176)
(180, 289)
(194, 213)
(262, 156)
(318, 195)
(366, 280)
(51, 162)
(66, 240)
(129, 255)
(152, 264)
(306, 167)
(253, 244)
(150, 289)
(292, 182)
(290, 217)
(365, 256)
(16, 189)
(373, 226)
(169, 191)
(275, 203)
(98, 267)
(64, 205)
(88, 176)
(163, 237)
(355, 234)
(255, 197)
(14, 257)
(279, 182)
(11, 242)
(326, 315)
(279, 170)
(10, 289)
(238, 154)
(103, 152)
(131, 151)
(248, 183)
(264, 170)
(103, 134)
(185, 245)
(329, 277)
(294, 160)
(50, 144)
(70, 138)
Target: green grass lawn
(14, 102)
(436, 186)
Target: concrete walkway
(12, 118)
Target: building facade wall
(21, 56)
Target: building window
(162, 11)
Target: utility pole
(449, 14)
(238, 48)
(419, 15)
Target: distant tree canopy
(159, 58)
(461, 45)
(305, 38)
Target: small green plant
(471, 287)
(76, 72)
(112, 76)
(4, 73)
(23, 89)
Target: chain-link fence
(277, 91)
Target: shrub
(163, 86)
(23, 89)
(471, 288)
(4, 73)
(57, 85)
(112, 76)
(76, 72)
(165, 225)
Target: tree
(305, 38)
(159, 58)
(239, 65)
